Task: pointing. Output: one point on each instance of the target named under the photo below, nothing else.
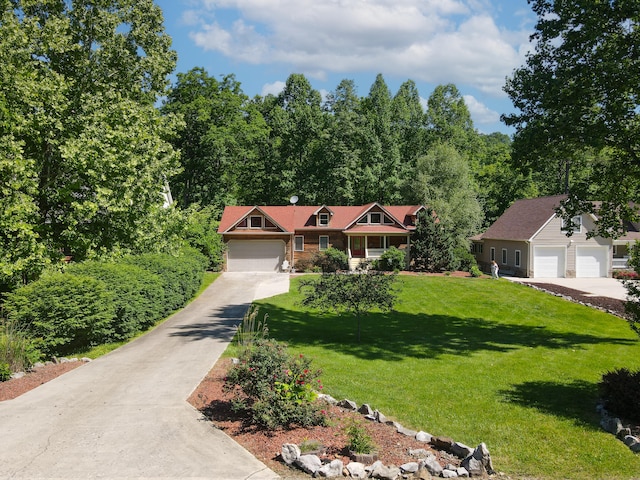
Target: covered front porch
(367, 247)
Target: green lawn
(478, 360)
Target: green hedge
(181, 275)
(64, 312)
(138, 294)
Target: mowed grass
(478, 360)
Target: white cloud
(272, 88)
(480, 113)
(435, 41)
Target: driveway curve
(125, 415)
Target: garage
(255, 255)
(591, 262)
(549, 262)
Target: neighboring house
(261, 238)
(529, 240)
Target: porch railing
(374, 252)
(620, 262)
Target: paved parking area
(597, 287)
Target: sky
(474, 44)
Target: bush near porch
(480, 361)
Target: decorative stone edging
(614, 426)
(475, 462)
(55, 361)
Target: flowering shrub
(275, 389)
(625, 275)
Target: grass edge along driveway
(478, 360)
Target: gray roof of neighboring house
(523, 219)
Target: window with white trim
(493, 253)
(375, 218)
(517, 260)
(504, 256)
(255, 222)
(575, 225)
(323, 219)
(323, 242)
(298, 243)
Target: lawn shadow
(574, 400)
(397, 335)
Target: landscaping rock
(366, 410)
(424, 475)
(327, 398)
(85, 360)
(424, 437)
(385, 473)
(432, 465)
(330, 470)
(446, 473)
(356, 470)
(309, 463)
(611, 424)
(462, 472)
(460, 450)
(18, 375)
(38, 365)
(479, 463)
(411, 467)
(380, 418)
(419, 453)
(633, 443)
(290, 453)
(404, 431)
(348, 404)
(442, 443)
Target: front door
(357, 247)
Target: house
(261, 238)
(530, 240)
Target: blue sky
(474, 44)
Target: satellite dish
(293, 200)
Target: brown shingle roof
(523, 219)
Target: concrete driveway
(597, 287)
(125, 415)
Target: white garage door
(549, 262)
(255, 255)
(591, 262)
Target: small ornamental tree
(432, 245)
(632, 306)
(357, 294)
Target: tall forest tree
(87, 149)
(577, 95)
(219, 141)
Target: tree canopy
(578, 100)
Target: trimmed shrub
(64, 312)
(138, 294)
(393, 260)
(464, 259)
(275, 389)
(620, 392)
(331, 260)
(475, 271)
(181, 275)
(304, 265)
(5, 372)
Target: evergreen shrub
(64, 312)
(393, 260)
(331, 260)
(620, 392)
(138, 294)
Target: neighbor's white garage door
(591, 262)
(549, 262)
(255, 255)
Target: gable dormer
(257, 219)
(323, 216)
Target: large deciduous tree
(579, 92)
(78, 121)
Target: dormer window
(575, 225)
(242, 223)
(256, 222)
(375, 218)
(323, 219)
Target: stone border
(55, 361)
(475, 462)
(614, 426)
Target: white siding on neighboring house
(255, 255)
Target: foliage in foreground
(632, 305)
(17, 351)
(276, 390)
